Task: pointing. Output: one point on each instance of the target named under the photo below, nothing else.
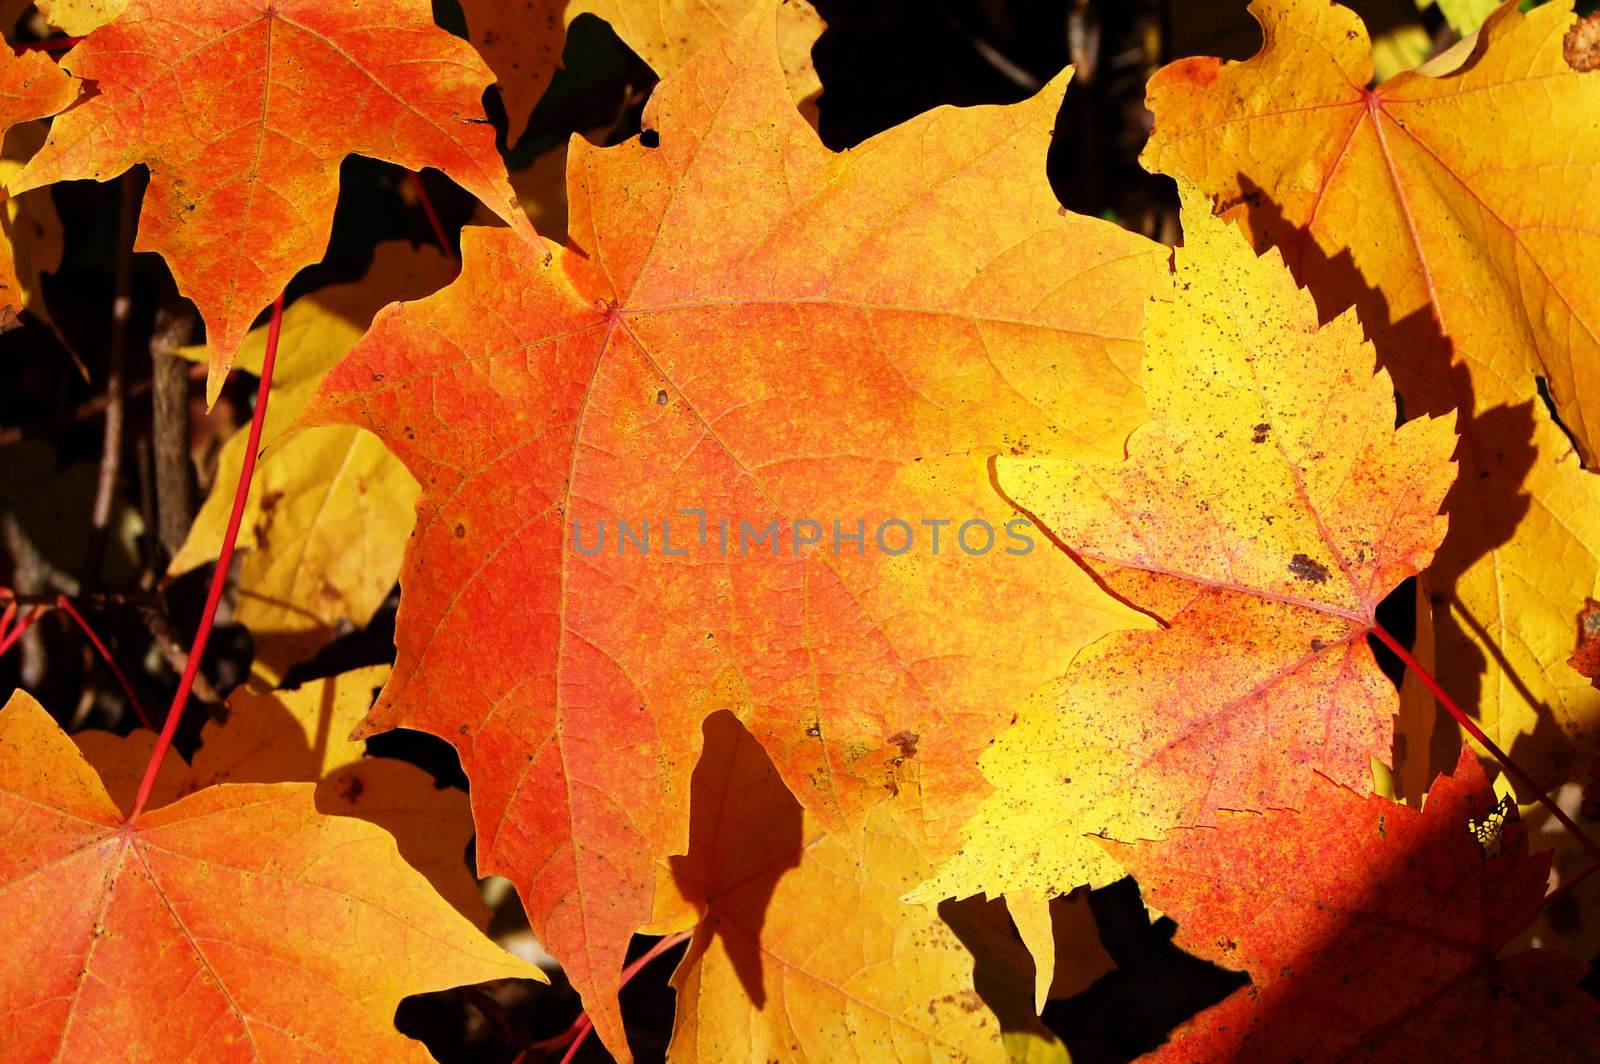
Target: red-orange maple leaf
(1371, 931)
(236, 924)
(750, 325)
(243, 111)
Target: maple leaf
(1467, 254)
(288, 932)
(31, 86)
(1317, 905)
(297, 736)
(329, 509)
(1262, 514)
(745, 323)
(1298, 126)
(31, 243)
(802, 943)
(227, 106)
(80, 17)
(522, 42)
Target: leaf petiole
(219, 579)
(13, 634)
(574, 1036)
(1512, 768)
(432, 214)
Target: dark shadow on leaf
(1002, 971)
(1387, 942)
(745, 831)
(1156, 986)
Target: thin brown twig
(89, 600)
(116, 385)
(39, 603)
(169, 427)
(175, 654)
(32, 572)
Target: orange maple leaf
(228, 105)
(750, 325)
(214, 928)
(31, 86)
(1319, 905)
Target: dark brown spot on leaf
(906, 741)
(351, 788)
(1304, 567)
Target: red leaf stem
(1523, 780)
(219, 578)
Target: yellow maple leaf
(329, 510)
(1061, 935)
(32, 228)
(802, 943)
(1466, 243)
(31, 86)
(80, 17)
(1262, 514)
